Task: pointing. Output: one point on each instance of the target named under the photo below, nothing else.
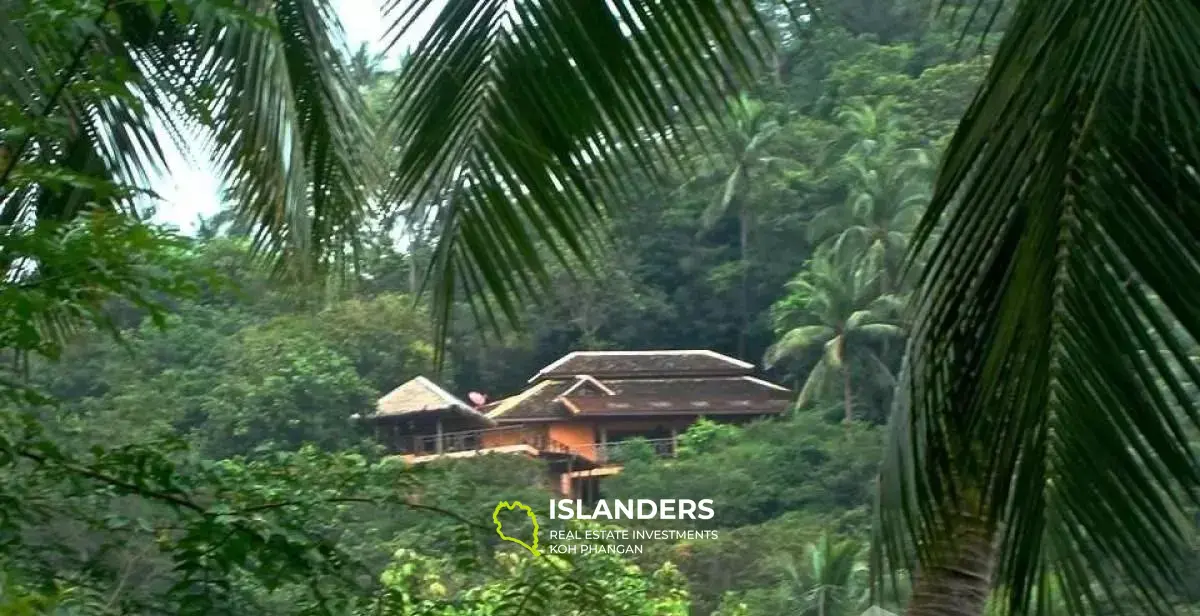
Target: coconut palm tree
(521, 114)
(1033, 435)
(836, 578)
(268, 94)
(831, 578)
(366, 66)
(1033, 438)
(887, 196)
(1040, 436)
(872, 130)
(741, 157)
(841, 313)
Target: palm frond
(20, 82)
(719, 207)
(887, 305)
(534, 113)
(815, 384)
(835, 353)
(826, 223)
(1068, 201)
(265, 81)
(86, 133)
(797, 341)
(859, 318)
(878, 370)
(288, 133)
(880, 331)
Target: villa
(580, 412)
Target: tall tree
(744, 153)
(836, 582)
(888, 192)
(517, 109)
(1042, 436)
(519, 119)
(836, 309)
(366, 67)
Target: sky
(188, 188)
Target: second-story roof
(643, 364)
(641, 383)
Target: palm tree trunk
(958, 583)
(744, 295)
(847, 394)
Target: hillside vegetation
(206, 459)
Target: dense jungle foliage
(205, 459)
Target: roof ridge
(558, 363)
(441, 392)
(419, 394)
(754, 379)
(580, 379)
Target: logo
(639, 509)
(532, 516)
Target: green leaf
(1069, 201)
(518, 122)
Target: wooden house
(419, 418)
(583, 412)
(420, 421)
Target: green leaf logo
(532, 517)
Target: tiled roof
(697, 387)
(421, 395)
(540, 401)
(676, 405)
(668, 363)
(550, 399)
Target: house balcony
(620, 452)
(521, 440)
(469, 443)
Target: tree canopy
(967, 245)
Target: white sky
(189, 189)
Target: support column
(674, 441)
(439, 444)
(603, 445)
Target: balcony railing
(468, 440)
(617, 452)
(477, 440)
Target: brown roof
(667, 363)
(736, 386)
(552, 399)
(421, 395)
(676, 405)
(538, 402)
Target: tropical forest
(963, 234)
